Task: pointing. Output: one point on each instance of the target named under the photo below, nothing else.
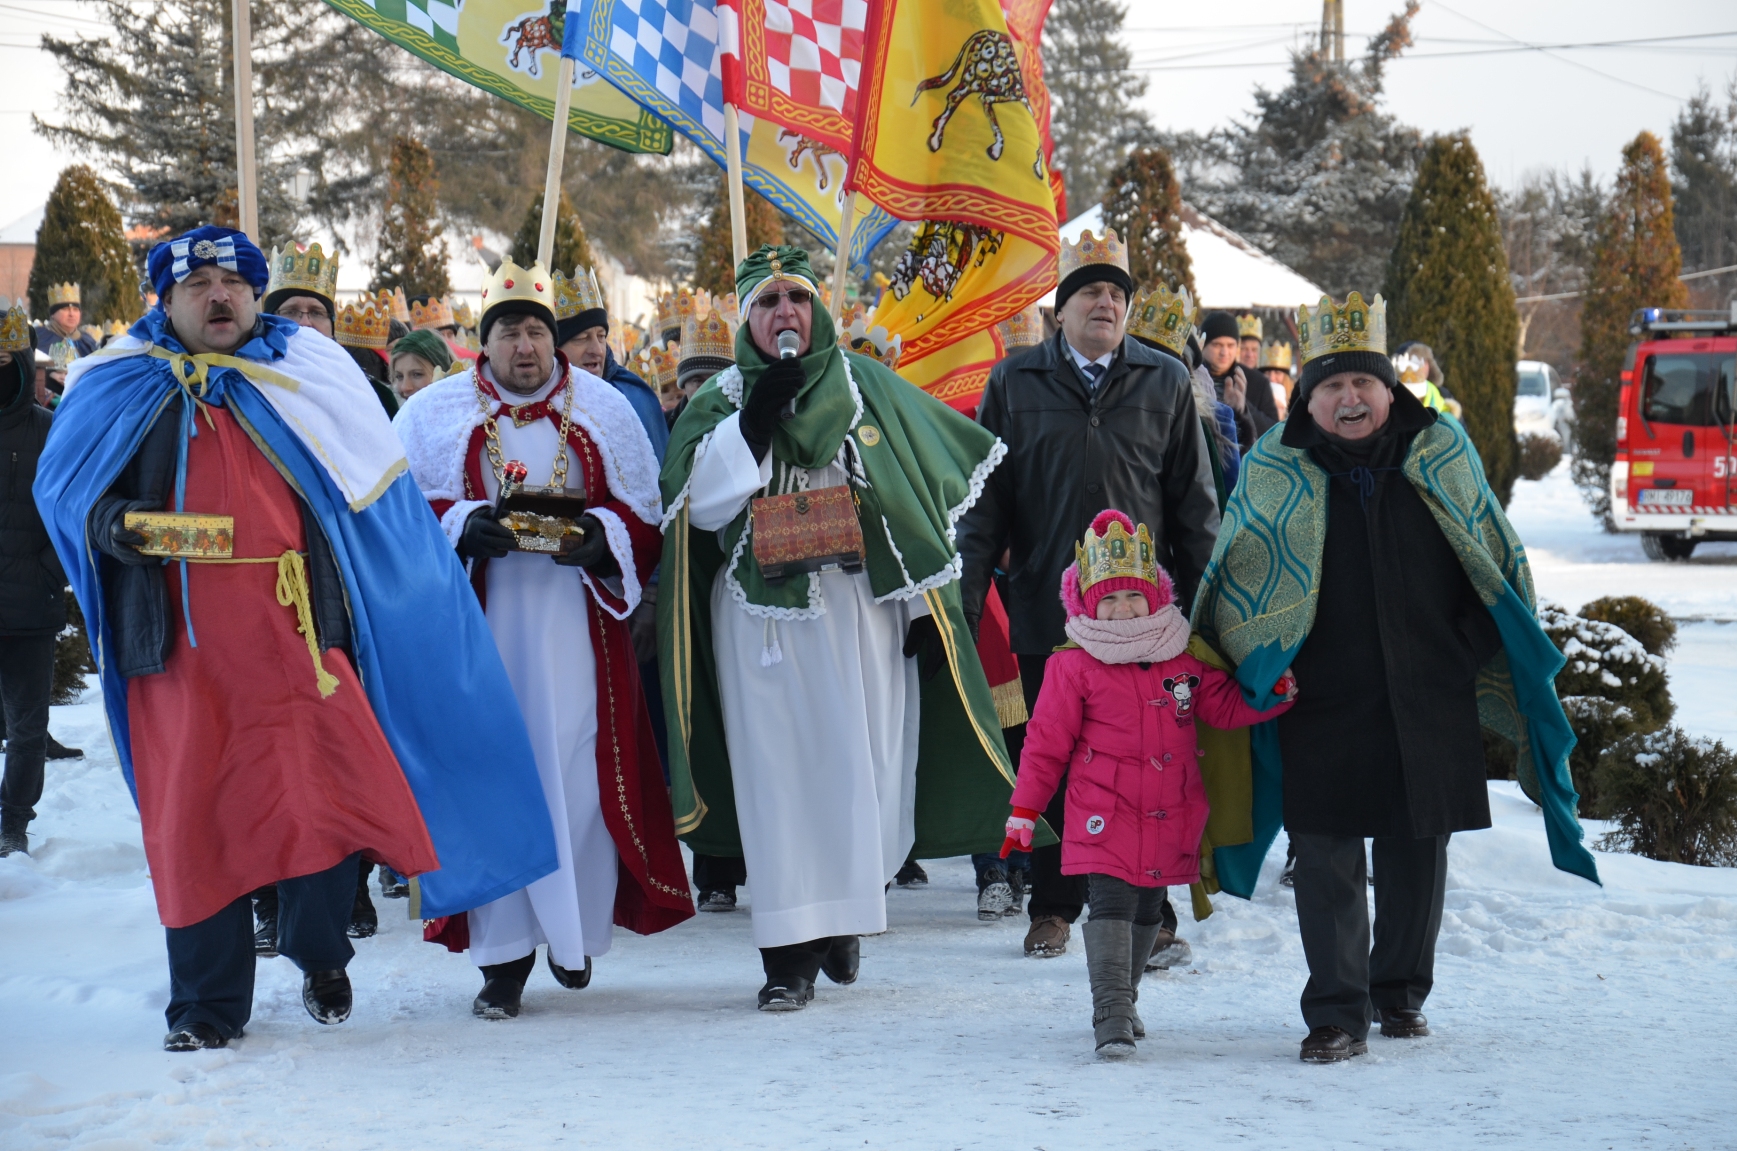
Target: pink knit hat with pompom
(1074, 603)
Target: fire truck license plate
(1681, 497)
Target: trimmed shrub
(1540, 452)
(1610, 688)
(1671, 797)
(72, 658)
(1644, 620)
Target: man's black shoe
(842, 959)
(194, 1037)
(1331, 1045)
(912, 875)
(503, 984)
(1400, 1023)
(265, 939)
(13, 837)
(364, 920)
(786, 993)
(326, 995)
(567, 977)
(718, 900)
(57, 750)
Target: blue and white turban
(174, 261)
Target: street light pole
(246, 174)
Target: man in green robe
(826, 724)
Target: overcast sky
(1525, 109)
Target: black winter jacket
(32, 583)
(1135, 444)
(1384, 738)
(1259, 410)
(136, 596)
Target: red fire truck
(1675, 476)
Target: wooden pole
(733, 170)
(246, 173)
(557, 160)
(841, 263)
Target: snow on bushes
(1540, 452)
(1671, 797)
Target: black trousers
(1052, 893)
(1112, 897)
(1348, 980)
(26, 681)
(211, 962)
(719, 872)
(802, 959)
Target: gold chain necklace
(557, 474)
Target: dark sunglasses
(770, 300)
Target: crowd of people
(511, 623)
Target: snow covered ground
(1565, 1015)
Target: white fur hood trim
(436, 424)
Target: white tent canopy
(1229, 272)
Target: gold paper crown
(364, 325)
(1116, 554)
(306, 269)
(434, 314)
(15, 330)
(873, 342)
(1163, 317)
(62, 355)
(1089, 250)
(665, 367)
(1354, 327)
(708, 335)
(1276, 355)
(115, 328)
(511, 282)
(1021, 330)
(674, 308)
(1248, 327)
(727, 305)
(581, 293)
(59, 294)
(1411, 368)
(463, 316)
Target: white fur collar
(436, 425)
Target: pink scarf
(1144, 639)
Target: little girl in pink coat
(1116, 717)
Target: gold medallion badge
(869, 435)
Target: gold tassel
(292, 591)
(1009, 700)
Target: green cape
(916, 466)
(1257, 600)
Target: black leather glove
(109, 533)
(592, 551)
(777, 386)
(484, 536)
(924, 638)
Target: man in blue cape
(1364, 548)
(294, 668)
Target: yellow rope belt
(292, 592)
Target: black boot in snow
(1144, 937)
(364, 921)
(327, 996)
(1015, 892)
(393, 885)
(1109, 950)
(718, 900)
(993, 894)
(567, 977)
(194, 1037)
(12, 836)
(57, 750)
(842, 959)
(503, 984)
(912, 875)
(265, 922)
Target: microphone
(789, 344)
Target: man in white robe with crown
(558, 613)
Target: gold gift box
(184, 535)
(543, 522)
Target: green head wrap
(426, 344)
(824, 406)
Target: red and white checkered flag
(795, 62)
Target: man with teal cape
(294, 669)
(823, 724)
(1364, 548)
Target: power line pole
(1333, 29)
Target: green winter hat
(426, 344)
(772, 262)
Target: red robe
(247, 775)
(652, 893)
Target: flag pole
(246, 174)
(557, 160)
(733, 170)
(841, 263)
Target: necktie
(1095, 374)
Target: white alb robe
(822, 742)
(540, 617)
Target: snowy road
(1565, 1015)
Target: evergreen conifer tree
(1635, 264)
(570, 250)
(714, 262)
(1092, 94)
(1447, 285)
(1143, 203)
(1704, 162)
(81, 242)
(411, 254)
